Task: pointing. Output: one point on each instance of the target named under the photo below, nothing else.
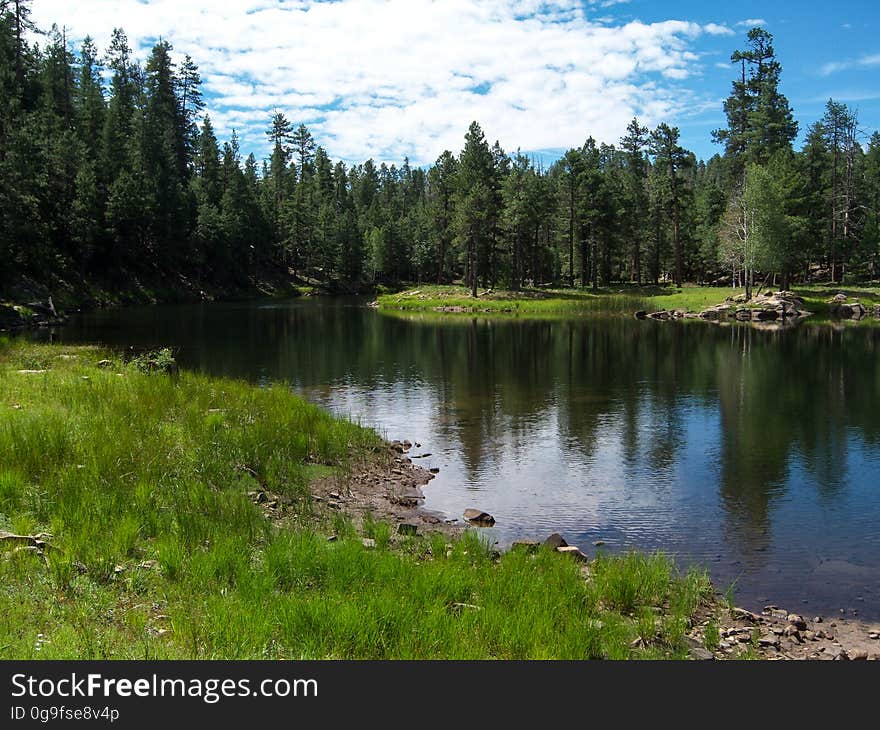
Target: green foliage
(157, 551)
(111, 172)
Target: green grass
(575, 302)
(564, 302)
(141, 479)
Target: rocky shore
(774, 310)
(390, 487)
(782, 308)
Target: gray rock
(479, 518)
(369, 542)
(797, 621)
(556, 541)
(574, 552)
(701, 654)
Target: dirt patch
(388, 488)
(385, 487)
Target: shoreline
(383, 485)
(391, 489)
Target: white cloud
(387, 78)
(863, 62)
(752, 23)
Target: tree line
(110, 169)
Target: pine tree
(633, 146)
(473, 203)
(671, 157)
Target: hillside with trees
(112, 172)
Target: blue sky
(389, 78)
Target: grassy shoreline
(584, 302)
(132, 489)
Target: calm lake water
(754, 453)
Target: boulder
(556, 541)
(479, 518)
(663, 316)
(574, 552)
(764, 315)
(641, 314)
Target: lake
(754, 453)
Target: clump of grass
(158, 552)
(711, 636)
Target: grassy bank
(137, 482)
(569, 302)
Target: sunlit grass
(142, 480)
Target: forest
(112, 171)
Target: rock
(641, 314)
(817, 619)
(556, 541)
(859, 656)
(407, 528)
(792, 631)
(837, 299)
(664, 315)
(858, 311)
(434, 470)
(741, 613)
(409, 500)
(369, 542)
(478, 517)
(841, 656)
(104, 364)
(874, 636)
(574, 552)
(598, 543)
(530, 546)
(764, 315)
(797, 621)
(769, 642)
(701, 654)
